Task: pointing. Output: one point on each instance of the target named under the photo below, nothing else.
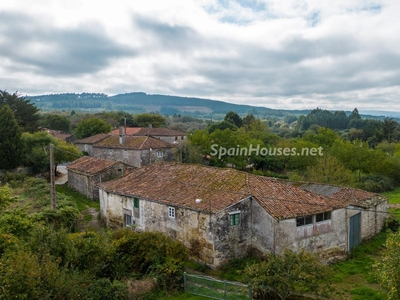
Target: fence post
(184, 281)
(224, 289)
(250, 292)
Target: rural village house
(165, 134)
(86, 172)
(220, 213)
(133, 150)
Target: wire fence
(216, 289)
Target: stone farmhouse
(220, 214)
(165, 134)
(86, 172)
(133, 150)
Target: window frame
(306, 220)
(135, 202)
(160, 154)
(325, 217)
(126, 216)
(234, 218)
(171, 212)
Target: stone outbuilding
(366, 211)
(220, 214)
(86, 172)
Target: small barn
(86, 172)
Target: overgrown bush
(148, 253)
(376, 183)
(104, 289)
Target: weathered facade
(365, 214)
(86, 172)
(136, 151)
(86, 145)
(165, 134)
(221, 214)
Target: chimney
(121, 135)
(150, 126)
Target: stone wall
(135, 158)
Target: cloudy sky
(292, 54)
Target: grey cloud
(65, 51)
(165, 36)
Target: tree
(10, 139)
(290, 273)
(144, 120)
(56, 122)
(389, 129)
(222, 126)
(36, 151)
(330, 170)
(388, 269)
(91, 126)
(234, 118)
(26, 113)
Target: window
(160, 154)
(234, 219)
(110, 151)
(128, 220)
(301, 221)
(171, 212)
(86, 147)
(126, 153)
(323, 216)
(135, 202)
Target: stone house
(165, 134)
(221, 214)
(86, 172)
(86, 145)
(136, 151)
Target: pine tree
(10, 139)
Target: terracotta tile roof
(144, 131)
(93, 139)
(182, 184)
(90, 165)
(284, 201)
(59, 134)
(134, 142)
(350, 196)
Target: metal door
(354, 231)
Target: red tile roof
(144, 131)
(350, 196)
(90, 165)
(182, 184)
(93, 139)
(134, 142)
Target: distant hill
(139, 102)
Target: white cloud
(276, 53)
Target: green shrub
(376, 183)
(104, 289)
(148, 253)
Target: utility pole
(52, 179)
